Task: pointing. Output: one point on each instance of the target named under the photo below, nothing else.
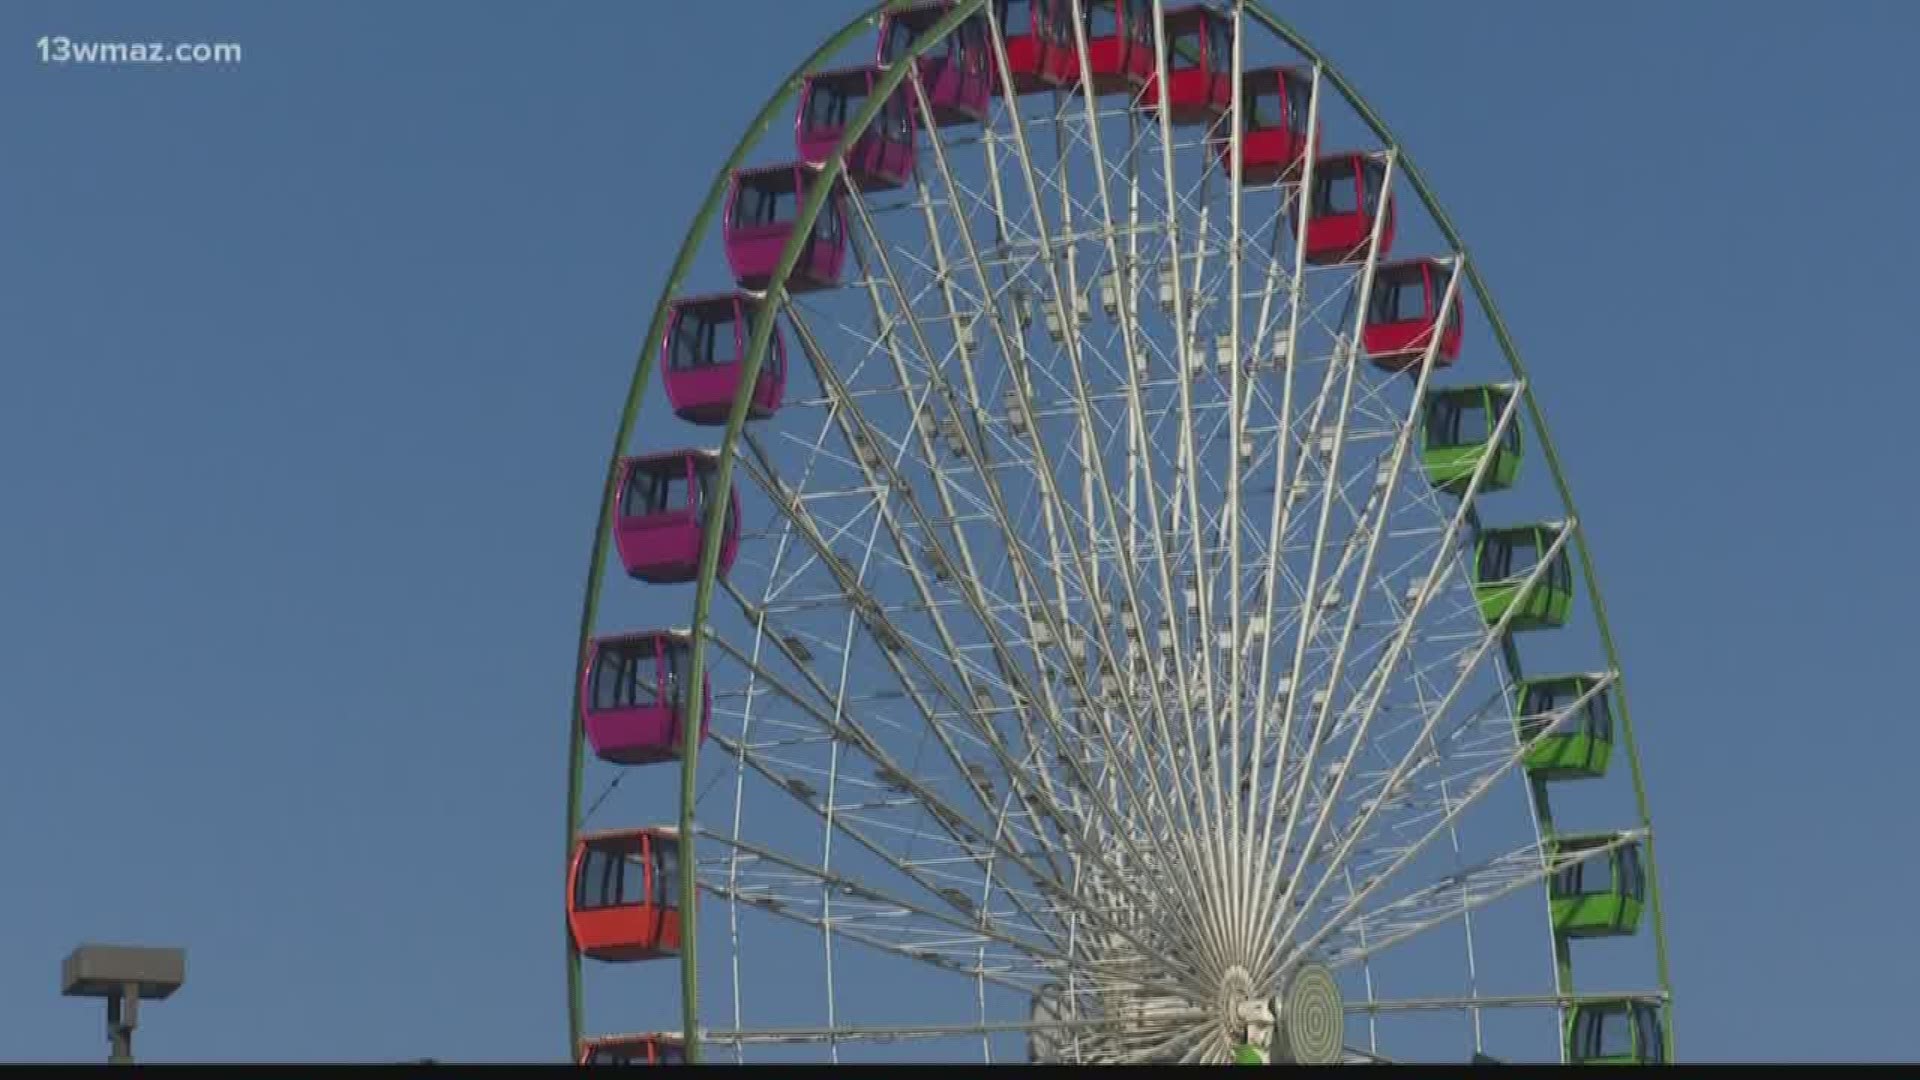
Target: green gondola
(1600, 895)
(1579, 747)
(1458, 427)
(1503, 558)
(1620, 1031)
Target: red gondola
(1273, 125)
(1040, 45)
(761, 210)
(623, 894)
(703, 357)
(1119, 44)
(657, 1048)
(630, 696)
(956, 73)
(882, 158)
(1347, 189)
(661, 512)
(1403, 311)
(1199, 66)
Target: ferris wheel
(1083, 505)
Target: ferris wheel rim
(698, 233)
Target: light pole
(123, 974)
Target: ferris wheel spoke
(971, 448)
(814, 455)
(980, 843)
(1016, 775)
(1291, 488)
(1186, 1044)
(1130, 1026)
(1373, 530)
(1496, 633)
(1066, 313)
(854, 823)
(889, 917)
(1199, 527)
(1499, 1001)
(1241, 869)
(1377, 681)
(1443, 557)
(793, 785)
(1443, 901)
(1284, 442)
(892, 773)
(1188, 466)
(1008, 344)
(891, 644)
(770, 627)
(904, 950)
(904, 1032)
(904, 932)
(1501, 759)
(1368, 517)
(1345, 357)
(788, 646)
(1017, 552)
(908, 556)
(1087, 443)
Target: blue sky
(311, 363)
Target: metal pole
(123, 1015)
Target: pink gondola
(1403, 311)
(761, 210)
(703, 357)
(661, 512)
(955, 72)
(882, 158)
(630, 696)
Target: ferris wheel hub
(1244, 1015)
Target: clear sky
(308, 367)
